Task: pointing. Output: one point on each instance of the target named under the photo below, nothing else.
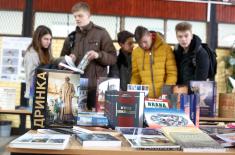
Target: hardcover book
(97, 140)
(105, 84)
(124, 109)
(207, 93)
(83, 90)
(157, 118)
(155, 103)
(41, 141)
(56, 99)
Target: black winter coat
(193, 65)
(122, 69)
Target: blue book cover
(207, 93)
(91, 119)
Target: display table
(75, 148)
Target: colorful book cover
(124, 109)
(158, 118)
(138, 88)
(207, 92)
(173, 93)
(83, 90)
(104, 84)
(55, 99)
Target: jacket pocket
(94, 45)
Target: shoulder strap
(72, 37)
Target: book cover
(83, 90)
(97, 140)
(196, 142)
(195, 108)
(124, 109)
(138, 131)
(91, 119)
(207, 92)
(138, 88)
(157, 118)
(55, 99)
(41, 141)
(152, 142)
(104, 84)
(173, 93)
(169, 129)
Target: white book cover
(41, 141)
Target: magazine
(56, 98)
(70, 64)
(41, 141)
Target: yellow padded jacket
(163, 67)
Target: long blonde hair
(44, 54)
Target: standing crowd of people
(152, 63)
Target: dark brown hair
(140, 31)
(183, 26)
(44, 54)
(80, 6)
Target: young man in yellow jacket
(153, 62)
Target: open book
(70, 64)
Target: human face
(184, 38)
(82, 18)
(128, 45)
(146, 42)
(46, 40)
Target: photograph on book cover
(56, 98)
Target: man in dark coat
(122, 68)
(94, 40)
(192, 60)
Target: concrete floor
(3, 143)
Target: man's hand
(91, 55)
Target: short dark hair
(123, 36)
(140, 31)
(80, 6)
(183, 26)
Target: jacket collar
(85, 28)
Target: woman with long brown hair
(38, 54)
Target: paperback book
(138, 88)
(41, 141)
(56, 98)
(97, 140)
